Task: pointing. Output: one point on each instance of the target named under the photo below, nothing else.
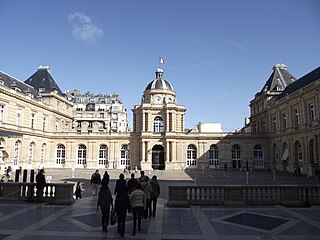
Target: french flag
(161, 60)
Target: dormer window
(42, 89)
(1, 82)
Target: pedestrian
(121, 207)
(78, 191)
(2, 179)
(142, 177)
(104, 202)
(147, 189)
(295, 172)
(95, 182)
(138, 204)
(41, 183)
(106, 178)
(225, 166)
(132, 183)
(154, 194)
(121, 184)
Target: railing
(56, 193)
(288, 195)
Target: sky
(218, 54)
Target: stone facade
(41, 127)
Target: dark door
(158, 157)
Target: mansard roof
(279, 79)
(43, 80)
(16, 84)
(301, 82)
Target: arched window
(82, 155)
(236, 156)
(214, 156)
(158, 124)
(42, 153)
(16, 153)
(258, 156)
(124, 156)
(61, 154)
(311, 151)
(31, 152)
(103, 155)
(191, 155)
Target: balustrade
(56, 193)
(289, 195)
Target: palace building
(41, 126)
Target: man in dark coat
(104, 202)
(41, 183)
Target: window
(82, 155)
(258, 156)
(124, 155)
(114, 116)
(158, 125)
(296, 117)
(311, 151)
(312, 114)
(16, 153)
(30, 155)
(214, 156)
(61, 154)
(1, 112)
(44, 124)
(298, 154)
(191, 155)
(284, 121)
(101, 115)
(236, 156)
(42, 153)
(274, 124)
(32, 120)
(103, 155)
(18, 119)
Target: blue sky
(218, 53)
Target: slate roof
(159, 82)
(43, 79)
(279, 79)
(14, 83)
(301, 82)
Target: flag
(161, 60)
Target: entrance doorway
(158, 157)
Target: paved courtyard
(81, 221)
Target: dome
(159, 83)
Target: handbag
(113, 217)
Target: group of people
(138, 196)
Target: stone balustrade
(288, 195)
(56, 193)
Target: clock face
(158, 99)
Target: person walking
(78, 190)
(147, 189)
(41, 183)
(106, 178)
(137, 202)
(121, 184)
(95, 182)
(104, 202)
(142, 177)
(121, 207)
(132, 183)
(154, 194)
